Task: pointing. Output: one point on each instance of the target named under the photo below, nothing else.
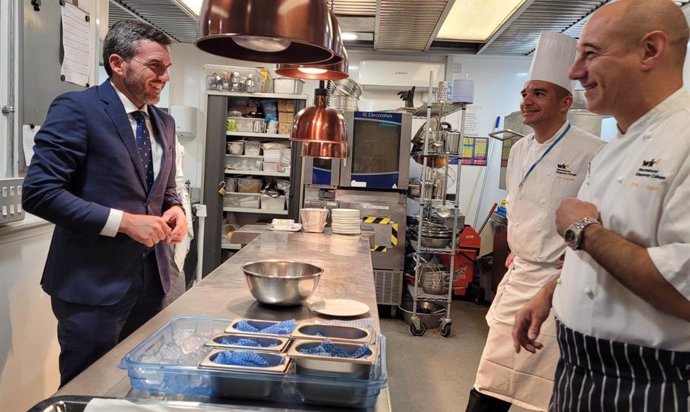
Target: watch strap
(577, 229)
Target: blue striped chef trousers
(599, 375)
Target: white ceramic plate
(296, 227)
(339, 307)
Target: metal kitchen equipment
(430, 240)
(278, 282)
(378, 155)
(384, 214)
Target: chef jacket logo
(564, 169)
(649, 169)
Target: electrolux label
(391, 117)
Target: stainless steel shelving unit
(426, 209)
(217, 105)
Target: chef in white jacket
(622, 303)
(543, 168)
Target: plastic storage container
(240, 124)
(245, 200)
(248, 185)
(272, 203)
(287, 85)
(152, 369)
(235, 147)
(239, 162)
(252, 148)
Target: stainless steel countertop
(224, 294)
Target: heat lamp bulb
(262, 44)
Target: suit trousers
(87, 332)
(599, 375)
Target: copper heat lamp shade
(336, 71)
(303, 26)
(324, 150)
(336, 68)
(319, 123)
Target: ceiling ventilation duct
(408, 25)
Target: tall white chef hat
(554, 55)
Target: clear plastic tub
(272, 203)
(246, 200)
(235, 147)
(240, 124)
(248, 185)
(244, 162)
(252, 148)
(151, 369)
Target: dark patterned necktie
(144, 145)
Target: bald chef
(543, 168)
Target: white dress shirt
(640, 182)
(115, 216)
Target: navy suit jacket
(86, 162)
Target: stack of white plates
(346, 221)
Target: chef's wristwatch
(574, 234)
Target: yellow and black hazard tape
(376, 220)
(373, 220)
(394, 234)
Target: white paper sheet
(28, 135)
(76, 64)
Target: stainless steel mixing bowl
(281, 282)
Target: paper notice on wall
(76, 34)
(28, 135)
(471, 123)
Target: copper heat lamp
(269, 31)
(336, 68)
(321, 128)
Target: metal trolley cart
(430, 238)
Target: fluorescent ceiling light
(193, 5)
(476, 20)
(349, 36)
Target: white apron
(523, 379)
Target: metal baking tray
(257, 323)
(308, 364)
(268, 343)
(317, 374)
(278, 361)
(340, 333)
(234, 382)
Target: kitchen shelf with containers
(248, 129)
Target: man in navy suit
(103, 172)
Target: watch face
(569, 235)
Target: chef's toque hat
(554, 55)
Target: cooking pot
(451, 141)
(414, 188)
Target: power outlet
(11, 200)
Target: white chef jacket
(640, 183)
(532, 209)
(525, 379)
